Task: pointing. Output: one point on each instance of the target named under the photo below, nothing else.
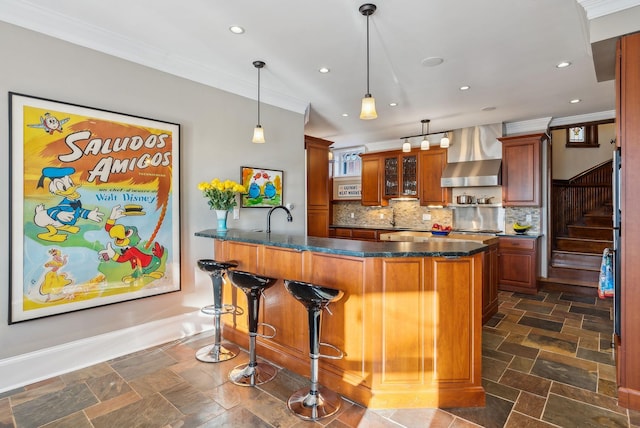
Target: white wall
(216, 129)
(570, 161)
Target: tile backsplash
(411, 215)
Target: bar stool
(316, 402)
(253, 286)
(216, 352)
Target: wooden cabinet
(490, 283)
(318, 191)
(372, 176)
(432, 164)
(400, 175)
(522, 170)
(518, 264)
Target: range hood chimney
(474, 157)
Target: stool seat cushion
(312, 295)
(210, 265)
(248, 281)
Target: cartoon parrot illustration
(127, 239)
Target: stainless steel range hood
(472, 173)
(474, 157)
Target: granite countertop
(422, 236)
(347, 247)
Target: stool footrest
(338, 356)
(212, 310)
(266, 336)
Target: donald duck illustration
(63, 216)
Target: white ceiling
(505, 50)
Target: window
(347, 162)
(582, 136)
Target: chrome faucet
(289, 218)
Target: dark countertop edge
(347, 247)
(514, 235)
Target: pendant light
(424, 145)
(444, 141)
(368, 110)
(406, 146)
(258, 132)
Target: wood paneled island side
(409, 323)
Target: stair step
(574, 286)
(574, 260)
(593, 246)
(593, 232)
(584, 277)
(598, 219)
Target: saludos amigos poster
(95, 214)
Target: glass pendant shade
(406, 146)
(368, 110)
(444, 141)
(258, 135)
(424, 145)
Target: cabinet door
(521, 170)
(391, 176)
(517, 265)
(318, 194)
(372, 174)
(432, 164)
(409, 175)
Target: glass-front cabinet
(400, 175)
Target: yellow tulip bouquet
(221, 195)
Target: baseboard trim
(25, 369)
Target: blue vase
(222, 220)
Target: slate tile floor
(547, 362)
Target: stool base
(313, 407)
(217, 353)
(245, 375)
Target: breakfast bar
(409, 323)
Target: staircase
(577, 256)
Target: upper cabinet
(522, 170)
(432, 163)
(400, 175)
(372, 176)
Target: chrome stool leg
(315, 402)
(216, 352)
(253, 373)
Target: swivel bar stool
(316, 402)
(216, 352)
(253, 286)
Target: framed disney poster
(264, 187)
(94, 198)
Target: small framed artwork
(94, 207)
(582, 136)
(264, 187)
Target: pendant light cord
(259, 96)
(368, 93)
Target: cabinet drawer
(364, 234)
(343, 233)
(517, 244)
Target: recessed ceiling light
(235, 29)
(345, 114)
(575, 101)
(393, 104)
(488, 108)
(563, 64)
(432, 61)
(323, 70)
(465, 87)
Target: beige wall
(216, 132)
(570, 161)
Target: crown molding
(597, 8)
(527, 126)
(59, 26)
(583, 118)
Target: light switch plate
(426, 217)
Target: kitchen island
(409, 323)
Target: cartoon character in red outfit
(128, 239)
